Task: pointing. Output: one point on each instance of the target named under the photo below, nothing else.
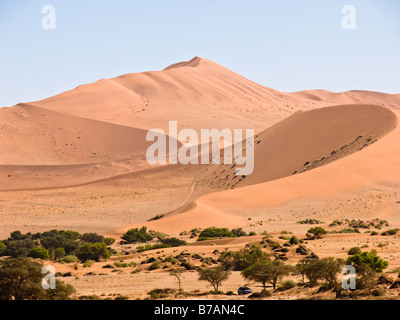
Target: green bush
(286, 285)
(137, 235)
(39, 253)
(152, 247)
(92, 237)
(155, 265)
(390, 232)
(173, 242)
(70, 259)
(216, 233)
(370, 259)
(93, 251)
(354, 250)
(316, 232)
(59, 253)
(109, 241)
(294, 240)
(239, 232)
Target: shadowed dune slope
(307, 140)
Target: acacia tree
(312, 269)
(214, 275)
(330, 267)
(177, 273)
(21, 279)
(267, 272)
(316, 233)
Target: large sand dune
(91, 141)
(306, 140)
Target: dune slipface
(307, 140)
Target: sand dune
(307, 140)
(373, 168)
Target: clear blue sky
(288, 45)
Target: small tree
(311, 268)
(330, 267)
(316, 232)
(214, 275)
(267, 271)
(259, 272)
(177, 273)
(21, 279)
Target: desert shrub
(148, 247)
(155, 265)
(160, 293)
(92, 237)
(70, 259)
(379, 292)
(374, 233)
(89, 297)
(59, 253)
(260, 295)
(109, 241)
(216, 233)
(286, 285)
(121, 264)
(309, 221)
(389, 232)
(173, 242)
(294, 240)
(39, 253)
(88, 263)
(239, 232)
(156, 217)
(252, 233)
(354, 250)
(93, 251)
(137, 235)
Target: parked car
(244, 290)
